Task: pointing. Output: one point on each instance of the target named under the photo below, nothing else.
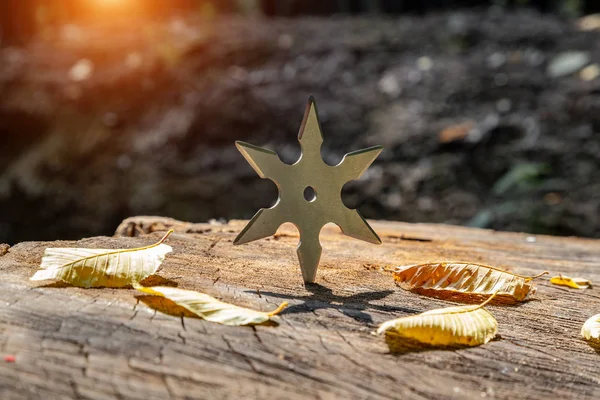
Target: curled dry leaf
(211, 309)
(102, 267)
(470, 325)
(464, 278)
(575, 283)
(591, 329)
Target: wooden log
(104, 343)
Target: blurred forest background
(489, 111)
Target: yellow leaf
(102, 267)
(575, 283)
(591, 329)
(470, 325)
(464, 278)
(211, 309)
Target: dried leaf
(102, 267)
(470, 325)
(575, 283)
(211, 309)
(591, 329)
(464, 278)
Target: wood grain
(103, 343)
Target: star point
(326, 181)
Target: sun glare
(112, 4)
(109, 2)
(105, 8)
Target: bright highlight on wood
(575, 283)
(459, 326)
(591, 329)
(102, 267)
(211, 309)
(464, 278)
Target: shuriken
(310, 171)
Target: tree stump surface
(69, 342)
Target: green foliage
(518, 184)
(521, 176)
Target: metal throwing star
(310, 175)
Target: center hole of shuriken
(310, 194)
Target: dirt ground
(487, 118)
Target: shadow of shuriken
(353, 306)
